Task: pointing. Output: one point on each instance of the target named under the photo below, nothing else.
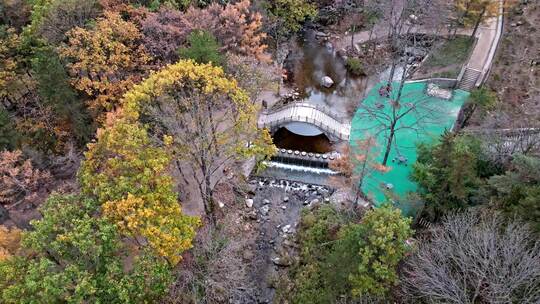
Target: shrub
(355, 67)
(203, 48)
(343, 260)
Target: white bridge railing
(327, 120)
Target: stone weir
(302, 167)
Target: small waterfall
(299, 168)
(309, 168)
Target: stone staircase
(469, 79)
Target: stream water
(310, 61)
(306, 65)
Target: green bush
(203, 48)
(342, 260)
(355, 67)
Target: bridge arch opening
(303, 129)
(285, 138)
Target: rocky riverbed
(275, 208)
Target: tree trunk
(401, 84)
(210, 201)
(209, 193)
(362, 173)
(371, 43)
(353, 29)
(478, 21)
(392, 71)
(179, 167)
(280, 66)
(389, 145)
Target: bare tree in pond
(412, 25)
(355, 164)
(387, 115)
(474, 257)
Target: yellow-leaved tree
(128, 176)
(471, 13)
(10, 239)
(208, 121)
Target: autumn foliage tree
(105, 60)
(9, 63)
(75, 256)
(20, 182)
(472, 13)
(52, 19)
(127, 175)
(164, 32)
(237, 28)
(357, 162)
(10, 239)
(35, 91)
(203, 118)
(288, 15)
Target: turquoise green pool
(431, 117)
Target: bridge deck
(328, 121)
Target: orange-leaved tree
(105, 60)
(10, 239)
(356, 162)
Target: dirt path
(486, 36)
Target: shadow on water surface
(285, 139)
(310, 61)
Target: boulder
(264, 210)
(327, 82)
(282, 261)
(286, 229)
(249, 202)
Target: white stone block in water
(327, 82)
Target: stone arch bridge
(327, 121)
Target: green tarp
(425, 124)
